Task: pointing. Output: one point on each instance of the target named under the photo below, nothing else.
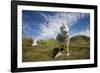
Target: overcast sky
(45, 25)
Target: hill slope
(80, 39)
(79, 48)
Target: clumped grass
(27, 41)
(79, 49)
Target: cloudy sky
(45, 25)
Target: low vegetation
(79, 49)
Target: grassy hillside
(80, 40)
(79, 49)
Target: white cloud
(50, 27)
(86, 32)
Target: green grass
(79, 49)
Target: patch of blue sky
(44, 24)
